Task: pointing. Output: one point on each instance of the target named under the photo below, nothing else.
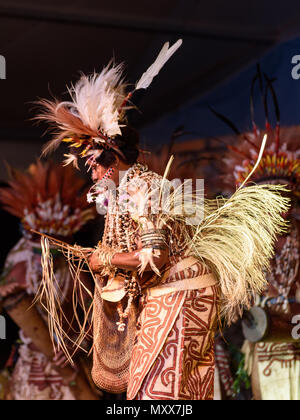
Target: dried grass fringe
(49, 296)
(235, 239)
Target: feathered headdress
(280, 162)
(280, 165)
(96, 113)
(48, 198)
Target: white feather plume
(97, 100)
(155, 68)
(71, 159)
(146, 257)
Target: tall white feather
(158, 64)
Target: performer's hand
(10, 289)
(95, 263)
(60, 360)
(15, 281)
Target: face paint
(98, 174)
(108, 174)
(99, 191)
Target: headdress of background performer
(280, 162)
(96, 115)
(51, 199)
(48, 198)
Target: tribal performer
(51, 199)
(272, 354)
(163, 273)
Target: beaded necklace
(120, 229)
(120, 234)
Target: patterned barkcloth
(173, 358)
(35, 379)
(279, 370)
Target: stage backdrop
(232, 98)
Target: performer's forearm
(128, 261)
(131, 261)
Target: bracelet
(155, 238)
(105, 255)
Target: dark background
(47, 43)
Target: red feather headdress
(280, 161)
(48, 198)
(280, 164)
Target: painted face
(99, 173)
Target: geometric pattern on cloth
(285, 353)
(154, 325)
(184, 368)
(279, 370)
(35, 379)
(223, 365)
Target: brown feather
(63, 122)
